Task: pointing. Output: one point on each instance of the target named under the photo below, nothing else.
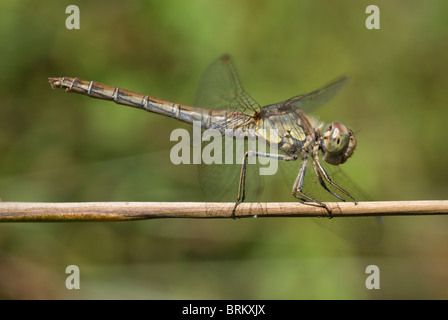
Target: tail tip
(55, 82)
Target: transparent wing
(220, 181)
(363, 231)
(313, 100)
(220, 88)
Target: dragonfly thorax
(288, 127)
(338, 143)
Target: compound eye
(336, 138)
(339, 143)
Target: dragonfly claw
(330, 213)
(234, 209)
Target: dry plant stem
(125, 211)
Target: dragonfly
(286, 124)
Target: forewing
(313, 100)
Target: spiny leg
(323, 184)
(328, 179)
(298, 187)
(242, 182)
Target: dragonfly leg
(242, 182)
(325, 175)
(323, 184)
(298, 193)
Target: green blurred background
(57, 147)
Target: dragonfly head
(339, 143)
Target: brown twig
(124, 211)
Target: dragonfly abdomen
(207, 118)
(231, 123)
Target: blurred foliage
(59, 147)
